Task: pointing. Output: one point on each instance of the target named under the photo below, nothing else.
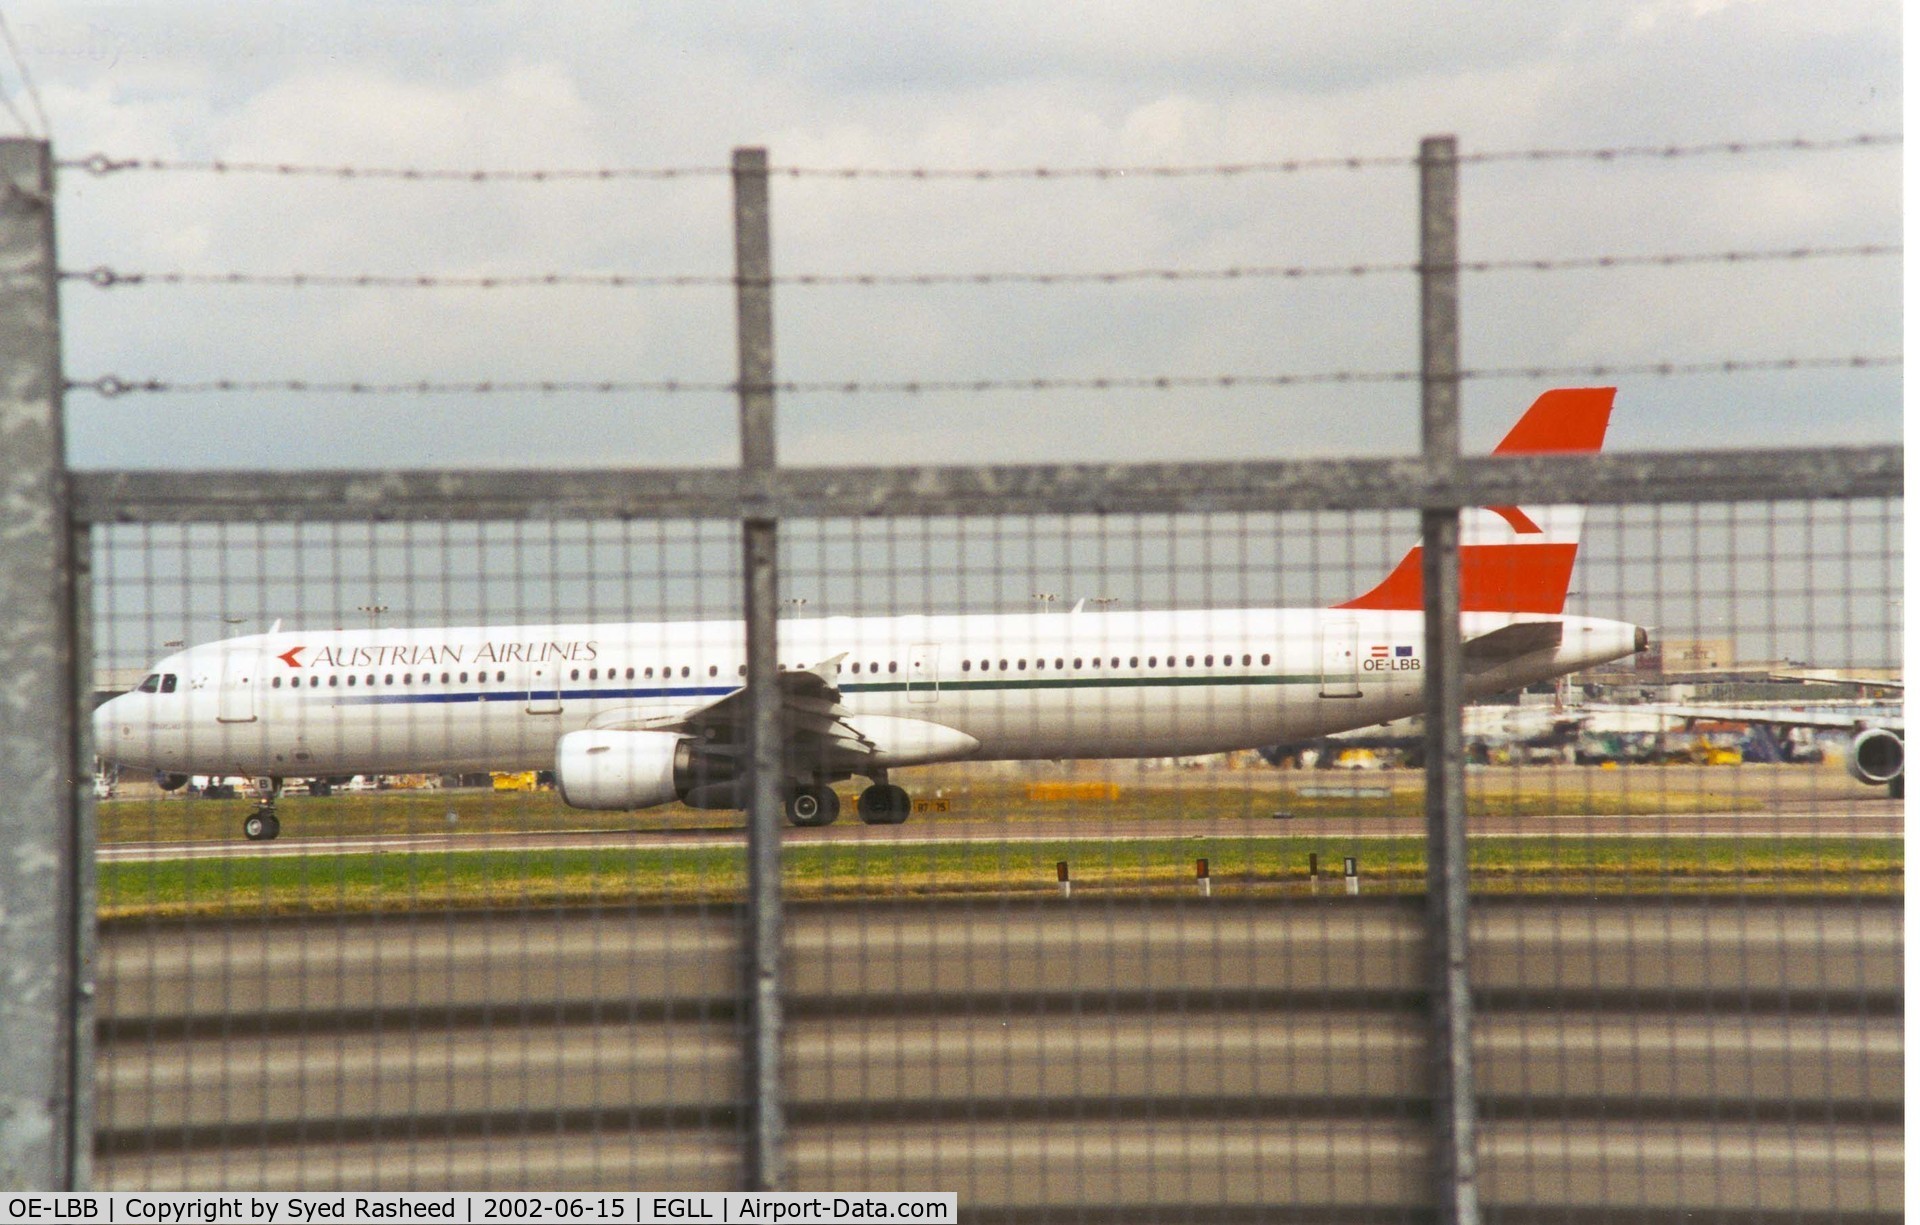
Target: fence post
(753, 264)
(1455, 1168)
(46, 793)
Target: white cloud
(605, 84)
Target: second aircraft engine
(621, 770)
(1877, 755)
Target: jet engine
(622, 770)
(1877, 755)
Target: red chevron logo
(288, 656)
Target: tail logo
(1517, 519)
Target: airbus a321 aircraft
(634, 715)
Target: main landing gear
(885, 804)
(815, 805)
(263, 824)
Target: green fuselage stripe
(1087, 682)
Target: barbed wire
(106, 277)
(102, 164)
(113, 386)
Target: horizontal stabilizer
(1509, 643)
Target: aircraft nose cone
(103, 721)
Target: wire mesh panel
(1690, 951)
(352, 935)
(1104, 863)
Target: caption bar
(471, 1208)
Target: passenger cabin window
(713, 670)
(1265, 660)
(276, 682)
(463, 677)
(333, 682)
(151, 684)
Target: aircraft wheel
(812, 807)
(885, 804)
(262, 826)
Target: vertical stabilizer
(1515, 558)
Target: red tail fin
(1514, 559)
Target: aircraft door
(1340, 659)
(239, 675)
(923, 673)
(543, 692)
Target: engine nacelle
(1877, 755)
(621, 770)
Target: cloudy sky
(505, 85)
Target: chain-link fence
(1507, 837)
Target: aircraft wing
(1776, 716)
(1510, 642)
(817, 727)
(1836, 678)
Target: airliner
(630, 716)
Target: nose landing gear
(263, 824)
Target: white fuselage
(1062, 685)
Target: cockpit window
(169, 682)
(151, 684)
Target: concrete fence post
(46, 777)
(1455, 1168)
(753, 262)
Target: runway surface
(1867, 817)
